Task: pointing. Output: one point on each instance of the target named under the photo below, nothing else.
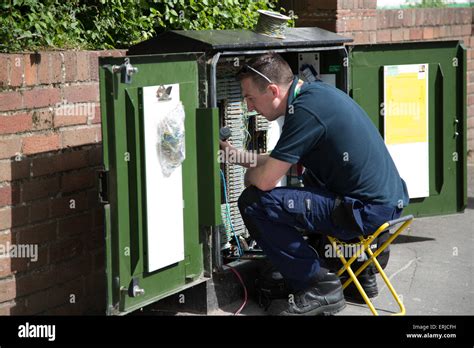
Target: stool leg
(352, 276)
(388, 283)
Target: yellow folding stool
(364, 245)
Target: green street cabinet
(171, 214)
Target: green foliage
(428, 4)
(97, 24)
(32, 24)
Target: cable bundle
(272, 24)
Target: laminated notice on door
(163, 129)
(406, 124)
(170, 146)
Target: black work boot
(324, 297)
(366, 279)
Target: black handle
(224, 133)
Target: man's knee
(248, 197)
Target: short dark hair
(271, 65)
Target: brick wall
(50, 149)
(361, 20)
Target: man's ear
(274, 89)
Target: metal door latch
(103, 186)
(127, 70)
(134, 289)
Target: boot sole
(326, 310)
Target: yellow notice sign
(406, 103)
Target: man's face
(264, 102)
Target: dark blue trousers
(276, 218)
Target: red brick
(4, 68)
(60, 162)
(456, 30)
(419, 17)
(40, 143)
(83, 66)
(33, 304)
(10, 101)
(36, 234)
(9, 266)
(74, 226)
(95, 156)
(78, 180)
(82, 93)
(98, 217)
(470, 100)
(397, 35)
(384, 35)
(70, 66)
(69, 309)
(44, 69)
(7, 289)
(361, 37)
(65, 249)
(16, 70)
(16, 123)
(470, 111)
(97, 115)
(6, 236)
(74, 268)
(349, 4)
(416, 34)
(60, 121)
(14, 170)
(42, 119)
(39, 210)
(31, 68)
(408, 18)
(470, 88)
(40, 188)
(470, 122)
(56, 71)
(74, 113)
(38, 98)
(94, 65)
(61, 294)
(428, 33)
(466, 30)
(9, 147)
(368, 24)
(9, 194)
(68, 205)
(13, 266)
(33, 282)
(79, 137)
(13, 216)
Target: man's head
(265, 81)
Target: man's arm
(242, 158)
(266, 176)
(263, 171)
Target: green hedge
(104, 24)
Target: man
(356, 186)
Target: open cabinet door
(415, 93)
(149, 184)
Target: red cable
(243, 285)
